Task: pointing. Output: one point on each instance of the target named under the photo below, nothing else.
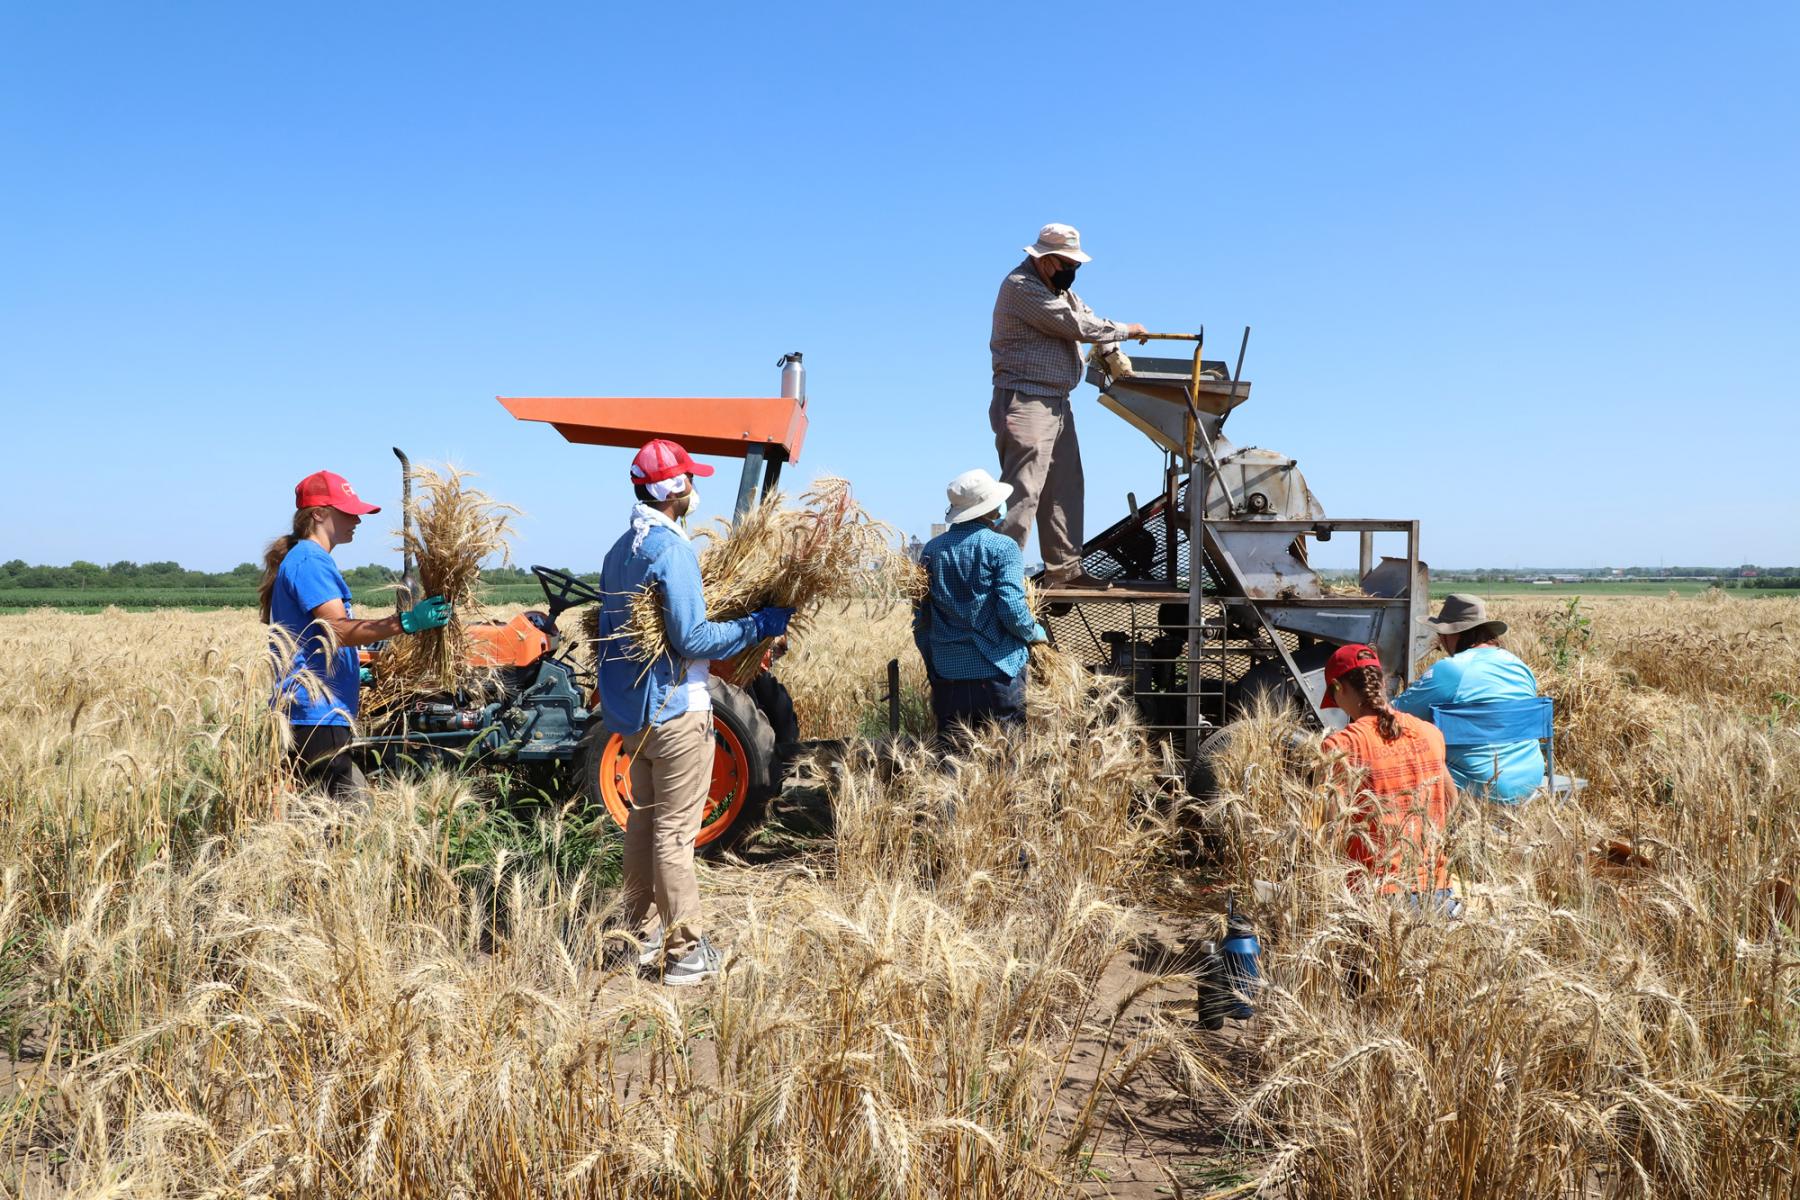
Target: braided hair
(1368, 684)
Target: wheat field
(213, 986)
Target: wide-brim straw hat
(1461, 613)
(974, 494)
(1064, 241)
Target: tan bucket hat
(974, 494)
(1064, 241)
(1462, 612)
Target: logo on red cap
(1344, 660)
(663, 459)
(328, 489)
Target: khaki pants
(1040, 457)
(671, 776)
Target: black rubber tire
(1270, 678)
(733, 708)
(1202, 775)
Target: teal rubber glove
(433, 612)
(365, 676)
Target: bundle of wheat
(454, 529)
(828, 549)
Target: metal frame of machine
(1196, 648)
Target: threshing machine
(1212, 602)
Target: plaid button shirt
(1402, 798)
(1036, 332)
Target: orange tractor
(544, 706)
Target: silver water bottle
(793, 376)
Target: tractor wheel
(743, 767)
(1270, 680)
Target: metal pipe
(893, 696)
(1365, 556)
(1196, 550)
(746, 494)
(1236, 375)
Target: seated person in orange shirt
(1393, 778)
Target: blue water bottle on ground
(1229, 975)
(1242, 954)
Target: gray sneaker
(651, 954)
(696, 966)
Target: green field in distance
(13, 600)
(368, 602)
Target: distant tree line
(129, 576)
(1747, 571)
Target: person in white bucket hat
(1039, 323)
(973, 627)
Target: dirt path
(1155, 1140)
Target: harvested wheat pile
(455, 528)
(827, 550)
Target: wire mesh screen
(1150, 546)
(1143, 639)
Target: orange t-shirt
(1403, 797)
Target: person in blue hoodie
(1476, 668)
(663, 709)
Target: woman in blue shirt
(306, 603)
(1476, 669)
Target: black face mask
(1062, 280)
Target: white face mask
(693, 502)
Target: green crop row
(95, 599)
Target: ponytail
(1368, 684)
(304, 521)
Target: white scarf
(643, 519)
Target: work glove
(771, 622)
(433, 612)
(365, 676)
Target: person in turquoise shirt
(1476, 669)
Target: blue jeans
(971, 702)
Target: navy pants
(972, 702)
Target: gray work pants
(1040, 457)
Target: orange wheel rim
(615, 780)
(725, 799)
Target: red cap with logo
(663, 459)
(327, 489)
(1344, 660)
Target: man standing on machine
(1039, 323)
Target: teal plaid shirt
(975, 623)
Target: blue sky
(1524, 272)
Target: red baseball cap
(1344, 660)
(663, 459)
(327, 489)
